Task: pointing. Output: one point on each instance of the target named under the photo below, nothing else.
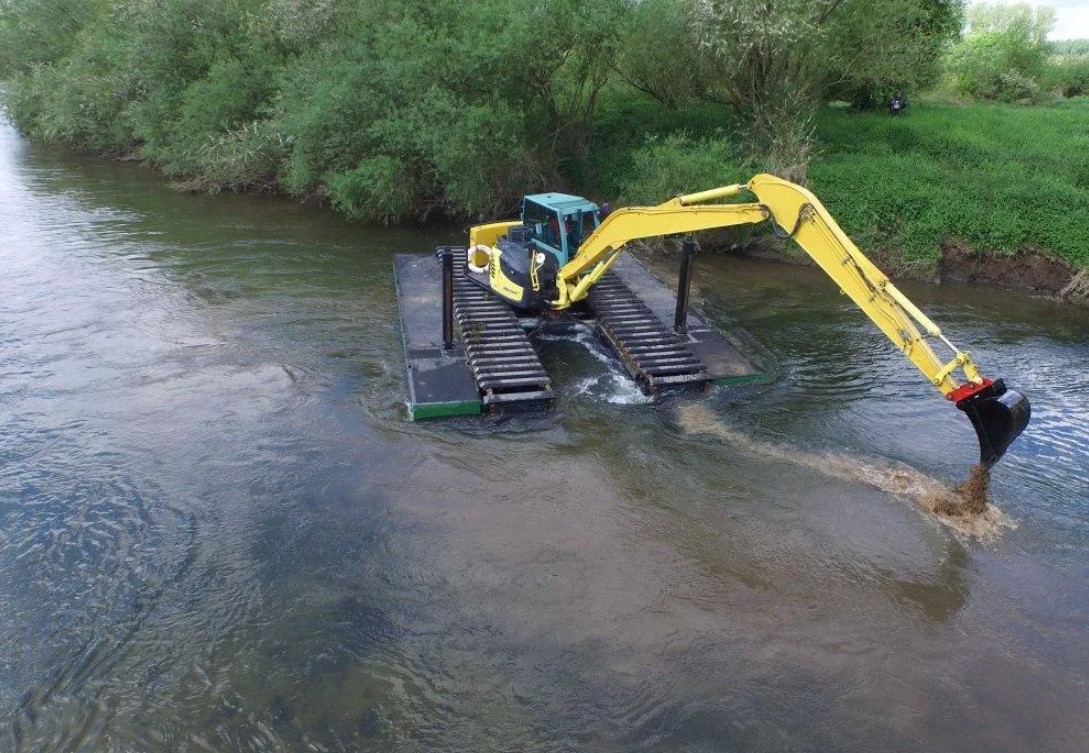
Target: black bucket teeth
(499, 354)
(655, 356)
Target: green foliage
(879, 48)
(33, 32)
(777, 56)
(999, 178)
(666, 59)
(1031, 23)
(1068, 75)
(1004, 56)
(997, 65)
(784, 58)
(996, 177)
(374, 189)
(772, 60)
(475, 103)
(1070, 48)
(669, 166)
(399, 111)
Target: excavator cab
(559, 222)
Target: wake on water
(963, 508)
(614, 386)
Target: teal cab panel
(559, 222)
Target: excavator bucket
(999, 415)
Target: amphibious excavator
(561, 247)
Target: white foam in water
(617, 389)
(615, 386)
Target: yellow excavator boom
(795, 212)
(997, 414)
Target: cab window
(543, 222)
(589, 224)
(578, 228)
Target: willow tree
(776, 51)
(782, 58)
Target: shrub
(1069, 76)
(1004, 56)
(1013, 86)
(997, 65)
(668, 166)
(375, 189)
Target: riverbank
(927, 192)
(1030, 271)
(995, 194)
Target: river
(218, 531)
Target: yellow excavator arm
(998, 414)
(795, 212)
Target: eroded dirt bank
(1031, 270)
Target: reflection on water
(218, 532)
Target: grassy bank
(394, 113)
(999, 178)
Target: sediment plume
(964, 508)
(968, 499)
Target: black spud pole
(684, 286)
(447, 255)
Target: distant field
(997, 177)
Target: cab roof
(564, 203)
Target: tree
(446, 105)
(662, 55)
(1026, 22)
(884, 46)
(774, 51)
(782, 58)
(1004, 54)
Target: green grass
(1000, 178)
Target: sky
(1071, 16)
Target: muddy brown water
(219, 532)
(969, 499)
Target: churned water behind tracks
(219, 532)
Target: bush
(666, 167)
(36, 32)
(476, 103)
(997, 65)
(1013, 86)
(1068, 76)
(375, 189)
